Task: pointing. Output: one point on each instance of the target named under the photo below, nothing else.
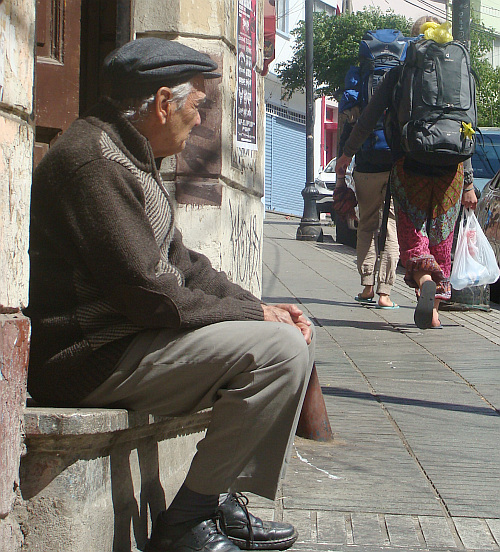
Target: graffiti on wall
(246, 248)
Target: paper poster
(246, 95)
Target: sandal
(364, 300)
(425, 305)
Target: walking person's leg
(368, 223)
(446, 208)
(388, 262)
(424, 202)
(370, 193)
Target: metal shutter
(285, 165)
(269, 161)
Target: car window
(330, 168)
(486, 159)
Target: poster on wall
(246, 112)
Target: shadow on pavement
(349, 393)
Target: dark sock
(189, 505)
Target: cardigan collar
(106, 116)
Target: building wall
(490, 15)
(278, 166)
(16, 145)
(218, 185)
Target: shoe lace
(242, 502)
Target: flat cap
(141, 66)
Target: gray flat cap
(140, 67)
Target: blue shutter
(268, 186)
(285, 165)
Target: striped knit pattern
(100, 322)
(158, 207)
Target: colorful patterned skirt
(426, 209)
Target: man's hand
(288, 314)
(342, 164)
(469, 199)
(340, 182)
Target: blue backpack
(352, 87)
(379, 51)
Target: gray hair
(136, 109)
(415, 30)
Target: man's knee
(290, 352)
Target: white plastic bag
(474, 263)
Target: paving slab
(415, 461)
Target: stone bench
(94, 479)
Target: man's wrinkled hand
(288, 314)
(305, 330)
(296, 314)
(274, 313)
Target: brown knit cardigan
(106, 260)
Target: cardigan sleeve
(101, 212)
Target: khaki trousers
(370, 193)
(254, 376)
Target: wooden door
(57, 71)
(72, 39)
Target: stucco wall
(16, 144)
(219, 209)
(17, 18)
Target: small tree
(336, 43)
(488, 77)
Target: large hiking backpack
(352, 88)
(379, 51)
(435, 103)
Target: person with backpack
(379, 52)
(430, 124)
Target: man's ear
(163, 105)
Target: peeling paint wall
(17, 30)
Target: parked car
(488, 215)
(345, 232)
(325, 184)
(486, 159)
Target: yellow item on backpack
(439, 33)
(467, 130)
(428, 25)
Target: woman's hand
(469, 199)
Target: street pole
(347, 6)
(310, 226)
(461, 21)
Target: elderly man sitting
(124, 315)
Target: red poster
(246, 95)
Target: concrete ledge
(94, 479)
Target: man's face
(181, 121)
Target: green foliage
(488, 94)
(488, 77)
(336, 43)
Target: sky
(412, 9)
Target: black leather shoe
(249, 532)
(196, 536)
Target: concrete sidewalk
(415, 464)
